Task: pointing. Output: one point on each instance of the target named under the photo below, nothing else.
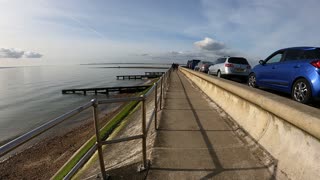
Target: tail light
(228, 65)
(316, 63)
(248, 67)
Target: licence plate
(239, 69)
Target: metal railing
(94, 103)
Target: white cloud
(11, 53)
(209, 44)
(16, 53)
(30, 54)
(175, 53)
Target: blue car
(292, 70)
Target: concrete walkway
(194, 142)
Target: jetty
(154, 73)
(147, 75)
(106, 90)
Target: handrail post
(155, 105)
(144, 138)
(98, 142)
(161, 91)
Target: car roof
(235, 57)
(301, 48)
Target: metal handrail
(6, 148)
(81, 162)
(145, 128)
(147, 94)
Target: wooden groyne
(154, 73)
(106, 90)
(147, 75)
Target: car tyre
(301, 91)
(219, 74)
(252, 82)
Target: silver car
(230, 66)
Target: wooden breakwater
(106, 90)
(147, 75)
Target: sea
(31, 96)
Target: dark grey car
(203, 66)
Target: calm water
(31, 96)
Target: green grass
(104, 133)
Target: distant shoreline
(136, 67)
(127, 63)
(6, 67)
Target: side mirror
(262, 62)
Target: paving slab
(195, 142)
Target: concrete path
(194, 142)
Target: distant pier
(147, 75)
(154, 73)
(106, 90)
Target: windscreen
(238, 61)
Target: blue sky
(43, 32)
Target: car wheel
(252, 80)
(301, 91)
(219, 74)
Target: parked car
(230, 67)
(188, 64)
(203, 66)
(191, 64)
(196, 68)
(292, 70)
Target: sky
(59, 32)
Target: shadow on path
(210, 147)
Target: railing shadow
(210, 147)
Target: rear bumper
(235, 74)
(229, 72)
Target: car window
(221, 60)
(236, 60)
(208, 62)
(311, 54)
(275, 58)
(293, 54)
(224, 60)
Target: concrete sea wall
(288, 130)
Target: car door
(220, 65)
(266, 74)
(285, 70)
(214, 67)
